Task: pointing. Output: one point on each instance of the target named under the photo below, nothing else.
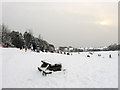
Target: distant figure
(91, 53)
(88, 55)
(42, 49)
(33, 47)
(3, 46)
(99, 54)
(110, 56)
(118, 54)
(25, 49)
(68, 53)
(20, 48)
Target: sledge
(44, 73)
(48, 67)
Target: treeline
(26, 40)
(16, 39)
(69, 49)
(111, 47)
(114, 47)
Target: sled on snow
(44, 73)
(49, 68)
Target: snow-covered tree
(17, 39)
(6, 39)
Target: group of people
(110, 56)
(67, 53)
(33, 48)
(99, 55)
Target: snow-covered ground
(20, 70)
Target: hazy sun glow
(104, 22)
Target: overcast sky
(65, 23)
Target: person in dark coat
(88, 55)
(33, 47)
(110, 56)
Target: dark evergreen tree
(113, 47)
(17, 39)
(28, 39)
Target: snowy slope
(20, 70)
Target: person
(3, 46)
(99, 54)
(110, 56)
(20, 48)
(33, 47)
(25, 49)
(88, 55)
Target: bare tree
(6, 39)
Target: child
(25, 49)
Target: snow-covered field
(20, 70)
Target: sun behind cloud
(104, 23)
